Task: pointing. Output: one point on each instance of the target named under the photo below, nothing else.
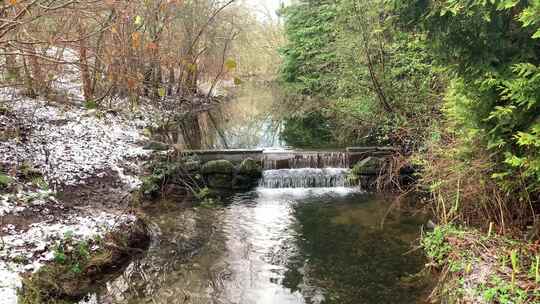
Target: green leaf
(230, 64)
(90, 105)
(161, 92)
(138, 20)
(5, 181)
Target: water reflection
(274, 246)
(250, 120)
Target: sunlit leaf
(136, 39)
(161, 92)
(138, 20)
(230, 64)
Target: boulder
(218, 167)
(219, 181)
(250, 167)
(244, 182)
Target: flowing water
(305, 178)
(303, 236)
(285, 245)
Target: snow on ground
(21, 200)
(26, 251)
(68, 144)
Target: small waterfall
(305, 178)
(298, 160)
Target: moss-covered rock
(192, 166)
(250, 167)
(243, 182)
(220, 181)
(218, 167)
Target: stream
(302, 236)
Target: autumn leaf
(161, 92)
(138, 20)
(136, 39)
(13, 2)
(131, 83)
(230, 64)
(152, 46)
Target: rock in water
(218, 167)
(219, 181)
(249, 167)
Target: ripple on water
(287, 246)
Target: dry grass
(461, 189)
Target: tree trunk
(171, 80)
(83, 64)
(28, 82)
(11, 67)
(36, 76)
(191, 131)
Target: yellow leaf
(230, 64)
(136, 39)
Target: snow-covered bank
(67, 147)
(70, 144)
(27, 251)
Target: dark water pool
(321, 245)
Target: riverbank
(482, 267)
(67, 172)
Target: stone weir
(271, 159)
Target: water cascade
(299, 160)
(305, 178)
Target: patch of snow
(73, 145)
(29, 250)
(10, 282)
(16, 203)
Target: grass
(476, 266)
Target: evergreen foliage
(457, 82)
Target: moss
(5, 181)
(249, 167)
(218, 166)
